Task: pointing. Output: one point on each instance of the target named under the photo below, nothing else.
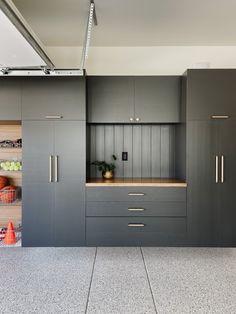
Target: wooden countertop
(154, 182)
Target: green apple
(2, 164)
(8, 163)
(16, 168)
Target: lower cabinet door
(69, 210)
(38, 191)
(226, 211)
(110, 231)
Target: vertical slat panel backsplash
(151, 149)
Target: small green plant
(104, 166)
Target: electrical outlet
(125, 156)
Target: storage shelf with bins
(10, 195)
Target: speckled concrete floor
(117, 280)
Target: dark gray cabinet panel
(211, 184)
(144, 99)
(210, 92)
(38, 193)
(116, 209)
(157, 99)
(69, 210)
(136, 194)
(110, 99)
(122, 231)
(53, 96)
(54, 212)
(201, 209)
(10, 98)
(226, 213)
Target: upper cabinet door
(211, 93)
(157, 99)
(110, 99)
(53, 97)
(10, 98)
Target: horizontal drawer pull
(54, 117)
(136, 225)
(136, 194)
(220, 117)
(136, 209)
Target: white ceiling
(133, 22)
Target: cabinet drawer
(136, 208)
(135, 231)
(117, 194)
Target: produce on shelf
(8, 194)
(3, 182)
(8, 165)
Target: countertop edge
(180, 185)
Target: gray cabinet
(136, 216)
(153, 99)
(53, 188)
(53, 97)
(211, 173)
(110, 99)
(10, 98)
(211, 92)
(157, 99)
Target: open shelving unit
(11, 211)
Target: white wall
(168, 60)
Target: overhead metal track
(40, 72)
(91, 18)
(15, 17)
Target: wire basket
(10, 195)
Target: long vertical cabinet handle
(50, 169)
(222, 175)
(56, 168)
(217, 168)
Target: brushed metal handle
(222, 176)
(53, 117)
(136, 194)
(56, 168)
(50, 169)
(220, 117)
(131, 119)
(134, 225)
(136, 209)
(217, 168)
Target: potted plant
(106, 168)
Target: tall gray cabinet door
(201, 178)
(69, 211)
(53, 96)
(110, 99)
(10, 98)
(38, 192)
(226, 222)
(157, 99)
